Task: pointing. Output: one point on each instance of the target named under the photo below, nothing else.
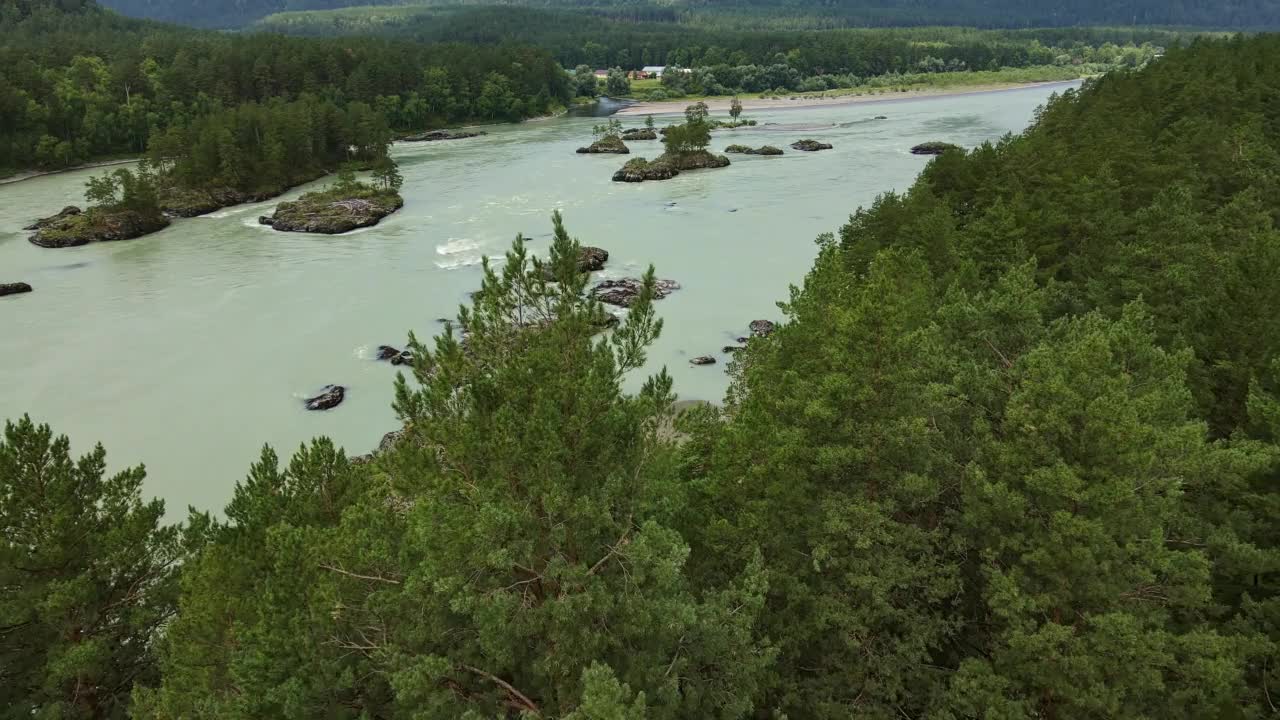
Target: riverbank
(30, 174)
(831, 98)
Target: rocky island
(810, 145)
(338, 209)
(686, 149)
(72, 227)
(624, 292)
(606, 144)
(437, 135)
(933, 148)
(748, 150)
(668, 165)
(644, 133)
(14, 288)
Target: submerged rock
(747, 150)
(97, 225)
(625, 291)
(329, 397)
(810, 145)
(328, 214)
(435, 135)
(66, 212)
(14, 288)
(880, 117)
(731, 348)
(933, 148)
(762, 328)
(703, 360)
(607, 144)
(639, 134)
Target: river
(191, 348)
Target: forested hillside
(603, 40)
(1238, 14)
(89, 83)
(1013, 453)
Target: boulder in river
(810, 145)
(96, 225)
(330, 212)
(436, 135)
(731, 348)
(747, 150)
(14, 288)
(881, 117)
(607, 144)
(386, 352)
(762, 328)
(330, 396)
(933, 148)
(625, 291)
(703, 360)
(66, 212)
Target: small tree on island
(735, 107)
(387, 174)
(124, 189)
(648, 121)
(693, 136)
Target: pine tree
(87, 579)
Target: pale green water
(190, 348)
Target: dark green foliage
(87, 579)
(1012, 454)
(82, 86)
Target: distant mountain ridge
(1226, 14)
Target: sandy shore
(808, 101)
(41, 173)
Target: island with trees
(344, 206)
(686, 149)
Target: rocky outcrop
(607, 144)
(762, 328)
(330, 397)
(625, 291)
(14, 288)
(437, 135)
(933, 148)
(810, 145)
(590, 259)
(328, 214)
(186, 202)
(747, 150)
(668, 166)
(97, 225)
(66, 212)
(639, 170)
(639, 134)
(394, 356)
(703, 360)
